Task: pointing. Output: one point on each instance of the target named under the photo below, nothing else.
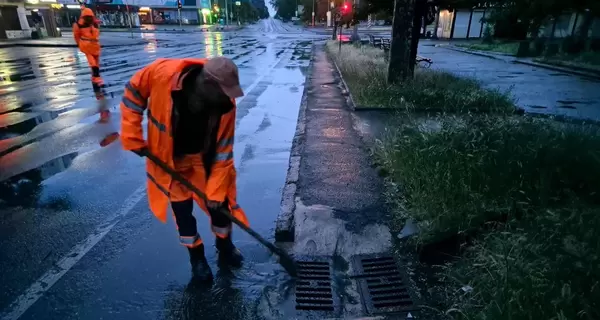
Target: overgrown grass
(526, 190)
(365, 71)
(546, 267)
(477, 168)
(589, 60)
(501, 47)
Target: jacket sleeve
(76, 33)
(222, 171)
(133, 105)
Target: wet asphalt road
(77, 239)
(535, 89)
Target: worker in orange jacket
(191, 119)
(87, 37)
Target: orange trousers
(97, 81)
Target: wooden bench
(386, 44)
(375, 41)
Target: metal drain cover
(382, 286)
(314, 291)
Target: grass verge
(500, 47)
(365, 71)
(525, 191)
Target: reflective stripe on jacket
(87, 38)
(150, 90)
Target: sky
(270, 8)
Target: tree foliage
(286, 9)
(261, 9)
(248, 12)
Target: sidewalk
(332, 204)
(66, 41)
(537, 89)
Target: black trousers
(186, 222)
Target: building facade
(23, 18)
(122, 13)
(463, 23)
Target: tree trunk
(419, 10)
(399, 65)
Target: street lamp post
(238, 5)
(226, 13)
(179, 5)
(128, 18)
(313, 13)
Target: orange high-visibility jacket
(87, 38)
(150, 90)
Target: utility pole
(226, 13)
(313, 13)
(399, 61)
(355, 37)
(179, 5)
(238, 5)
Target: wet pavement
(536, 90)
(77, 238)
(108, 40)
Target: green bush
(365, 71)
(572, 45)
(552, 49)
(539, 44)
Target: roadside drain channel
(314, 290)
(382, 285)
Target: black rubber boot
(200, 268)
(229, 255)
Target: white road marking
(45, 282)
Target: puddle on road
(239, 294)
(24, 189)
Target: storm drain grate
(314, 286)
(382, 285)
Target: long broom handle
(175, 175)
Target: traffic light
(346, 8)
(179, 4)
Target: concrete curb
(285, 226)
(349, 98)
(560, 118)
(513, 59)
(559, 68)
(475, 52)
